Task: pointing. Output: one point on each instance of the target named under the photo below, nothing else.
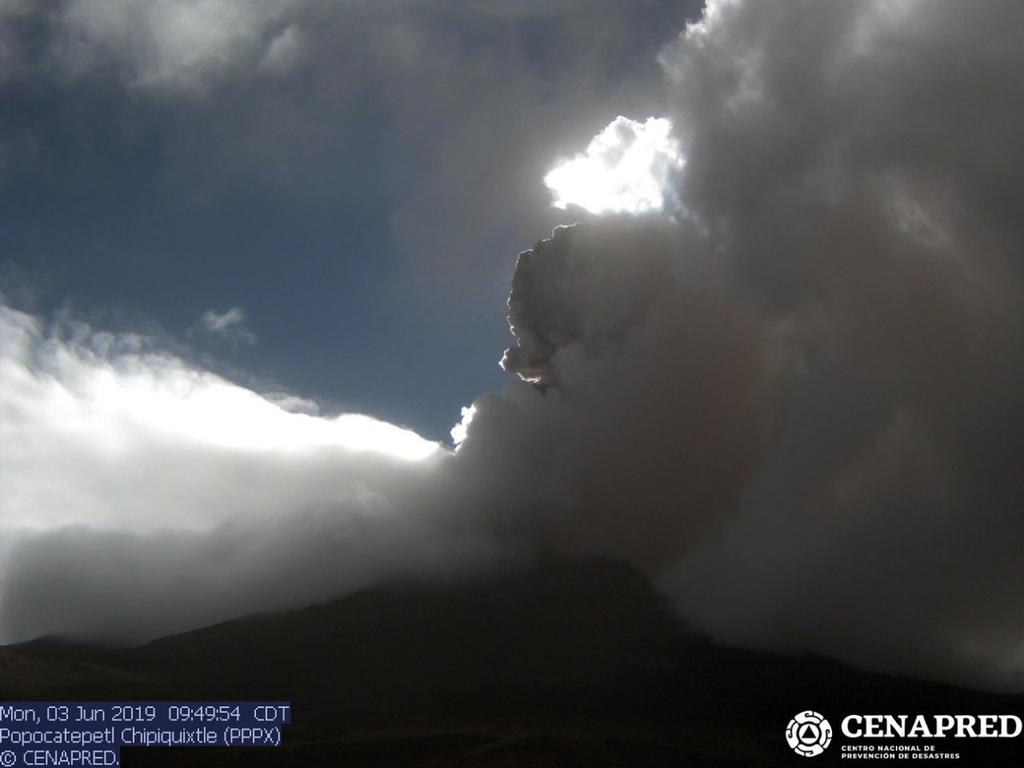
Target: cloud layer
(142, 495)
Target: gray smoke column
(798, 404)
(644, 420)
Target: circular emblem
(808, 734)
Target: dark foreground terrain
(570, 663)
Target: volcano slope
(565, 662)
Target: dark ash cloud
(802, 398)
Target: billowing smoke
(792, 398)
(642, 421)
(856, 164)
(797, 405)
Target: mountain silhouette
(566, 662)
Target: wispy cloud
(229, 325)
(170, 45)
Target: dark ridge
(569, 662)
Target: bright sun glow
(461, 430)
(626, 168)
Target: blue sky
(361, 199)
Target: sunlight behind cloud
(626, 168)
(461, 430)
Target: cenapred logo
(808, 734)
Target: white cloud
(229, 325)
(223, 321)
(626, 168)
(461, 429)
(86, 418)
(147, 473)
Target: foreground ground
(569, 663)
